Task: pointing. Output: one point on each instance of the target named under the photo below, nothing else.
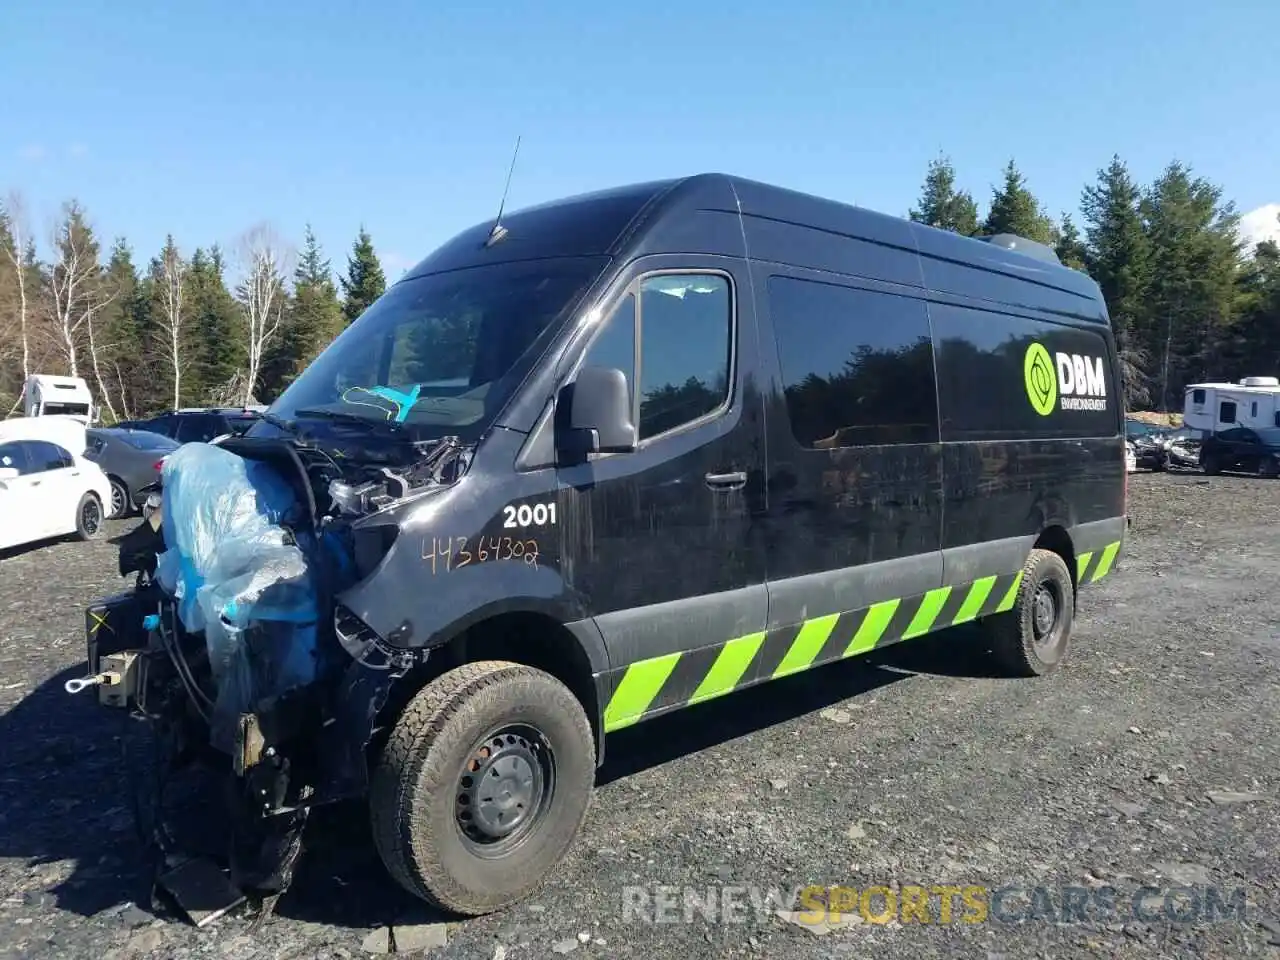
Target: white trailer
(46, 394)
(1254, 402)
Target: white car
(48, 491)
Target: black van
(624, 453)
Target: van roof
(665, 216)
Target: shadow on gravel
(67, 811)
(12, 553)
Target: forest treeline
(1188, 298)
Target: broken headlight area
(232, 642)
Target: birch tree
(16, 251)
(261, 296)
(76, 288)
(169, 274)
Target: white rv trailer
(1254, 402)
(46, 394)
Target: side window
(1007, 377)
(1197, 396)
(199, 428)
(857, 366)
(47, 456)
(1227, 411)
(1253, 412)
(685, 325)
(616, 345)
(13, 456)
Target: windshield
(442, 353)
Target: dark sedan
(131, 459)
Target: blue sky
(205, 118)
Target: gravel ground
(914, 769)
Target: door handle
(728, 481)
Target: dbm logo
(1068, 381)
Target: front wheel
(1032, 639)
(483, 786)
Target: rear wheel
(1033, 638)
(121, 506)
(483, 786)
(89, 517)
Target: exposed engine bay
(228, 645)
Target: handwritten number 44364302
(454, 553)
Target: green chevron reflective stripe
(640, 684)
(1104, 564)
(1082, 564)
(974, 599)
(873, 627)
(729, 667)
(649, 687)
(1011, 595)
(930, 606)
(807, 645)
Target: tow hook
(80, 684)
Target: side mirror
(8, 473)
(593, 414)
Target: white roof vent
(1260, 382)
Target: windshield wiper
(344, 417)
(288, 426)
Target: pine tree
(123, 341)
(941, 205)
(1069, 247)
(1118, 257)
(216, 339)
(1255, 343)
(1014, 209)
(317, 315)
(1195, 259)
(365, 281)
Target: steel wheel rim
(504, 789)
(1045, 611)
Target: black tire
(89, 517)
(121, 505)
(448, 732)
(1211, 465)
(1030, 640)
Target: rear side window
(857, 365)
(199, 428)
(1002, 377)
(48, 456)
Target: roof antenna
(499, 232)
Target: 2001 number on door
(526, 515)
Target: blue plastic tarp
(239, 577)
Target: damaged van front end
(233, 641)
